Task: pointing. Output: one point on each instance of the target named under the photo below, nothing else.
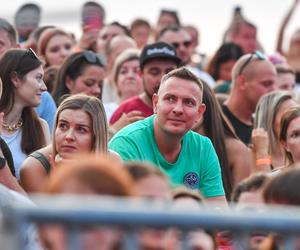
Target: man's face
(106, 34)
(5, 43)
(141, 35)
(285, 81)
(118, 45)
(178, 106)
(181, 40)
(262, 82)
(152, 73)
(246, 38)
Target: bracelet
(264, 161)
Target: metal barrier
(131, 215)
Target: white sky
(210, 16)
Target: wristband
(264, 161)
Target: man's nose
(178, 109)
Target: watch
(2, 162)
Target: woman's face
(292, 142)
(129, 81)
(286, 105)
(90, 82)
(73, 133)
(58, 48)
(225, 70)
(30, 88)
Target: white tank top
(14, 143)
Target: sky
(211, 17)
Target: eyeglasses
(185, 44)
(257, 54)
(92, 57)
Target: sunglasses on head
(185, 44)
(29, 53)
(92, 57)
(256, 54)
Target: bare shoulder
(240, 159)
(235, 146)
(32, 171)
(45, 151)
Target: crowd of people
(137, 110)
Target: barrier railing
(132, 215)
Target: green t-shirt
(197, 166)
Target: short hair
(9, 29)
(235, 27)
(172, 13)
(248, 71)
(284, 188)
(31, 6)
(94, 108)
(185, 74)
(103, 175)
(284, 69)
(109, 47)
(94, 4)
(286, 119)
(123, 27)
(139, 22)
(125, 56)
(139, 170)
(252, 183)
(184, 192)
(265, 114)
(171, 28)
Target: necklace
(13, 127)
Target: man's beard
(149, 95)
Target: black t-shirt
(242, 130)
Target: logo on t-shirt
(191, 180)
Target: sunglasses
(29, 53)
(256, 54)
(185, 44)
(92, 57)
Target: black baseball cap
(158, 50)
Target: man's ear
(69, 83)
(241, 82)
(154, 103)
(201, 110)
(15, 79)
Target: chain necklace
(13, 127)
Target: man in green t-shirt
(166, 140)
